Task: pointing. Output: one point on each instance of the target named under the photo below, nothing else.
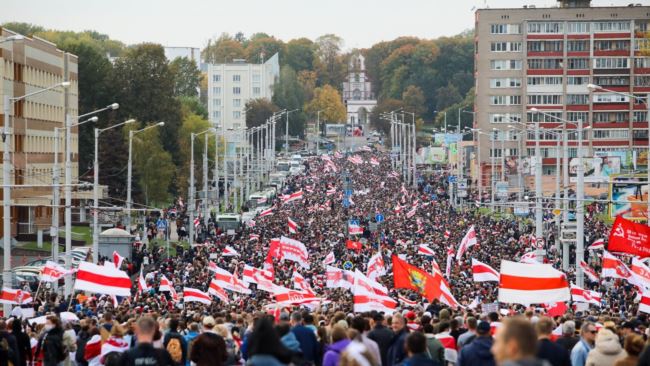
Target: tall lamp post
(96, 188)
(192, 201)
(129, 201)
(6, 176)
(286, 132)
(598, 88)
(318, 131)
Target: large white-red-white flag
(267, 212)
(15, 297)
(296, 196)
(597, 244)
(229, 251)
(526, 284)
(338, 278)
(142, 284)
(368, 296)
(468, 241)
(102, 280)
(376, 266)
(194, 295)
(287, 296)
(218, 291)
(300, 283)
(290, 249)
(52, 272)
(640, 274)
(251, 274)
(588, 271)
(644, 303)
(483, 273)
(230, 282)
(614, 267)
(578, 294)
(293, 226)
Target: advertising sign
(629, 197)
(431, 155)
(596, 169)
(502, 190)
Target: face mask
(49, 327)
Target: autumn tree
(329, 64)
(287, 94)
(223, 50)
(377, 119)
(259, 111)
(187, 77)
(263, 47)
(413, 100)
(328, 100)
(300, 54)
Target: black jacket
(420, 359)
(382, 336)
(24, 349)
(51, 347)
(82, 339)
(8, 352)
(477, 353)
(397, 351)
(554, 353)
(145, 354)
(567, 342)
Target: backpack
(175, 350)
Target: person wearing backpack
(175, 343)
(51, 343)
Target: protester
(24, 351)
(633, 346)
(144, 353)
(306, 337)
(477, 351)
(581, 350)
(265, 347)
(396, 352)
(416, 348)
(435, 349)
(50, 345)
(208, 349)
(568, 339)
(548, 350)
(340, 341)
(515, 343)
(607, 351)
(382, 335)
(8, 346)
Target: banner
(629, 197)
(596, 170)
(629, 237)
(431, 155)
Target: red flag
(416, 279)
(354, 245)
(629, 237)
(557, 309)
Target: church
(357, 92)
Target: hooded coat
(608, 350)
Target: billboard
(628, 195)
(431, 155)
(446, 139)
(332, 129)
(596, 169)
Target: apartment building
(26, 66)
(544, 58)
(232, 85)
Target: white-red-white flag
(640, 274)
(117, 259)
(329, 259)
(293, 226)
(165, 285)
(411, 213)
(230, 281)
(589, 272)
(529, 258)
(267, 212)
(296, 196)
(398, 209)
(354, 228)
(368, 296)
(614, 267)
(102, 280)
(578, 294)
(15, 297)
(194, 295)
(597, 244)
(644, 303)
(285, 296)
(290, 249)
(338, 278)
(251, 274)
(450, 261)
(447, 234)
(483, 273)
(526, 284)
(406, 301)
(376, 266)
(424, 249)
(300, 283)
(254, 237)
(468, 241)
(218, 291)
(330, 191)
(52, 272)
(229, 251)
(142, 284)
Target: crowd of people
(154, 328)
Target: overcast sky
(360, 23)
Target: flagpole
(38, 289)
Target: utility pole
(191, 202)
(204, 201)
(539, 234)
(580, 210)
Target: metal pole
(479, 171)
(558, 246)
(241, 168)
(216, 169)
(580, 211)
(191, 201)
(204, 201)
(226, 190)
(413, 153)
(492, 153)
(96, 199)
(129, 182)
(318, 132)
(565, 174)
(286, 136)
(6, 200)
(68, 202)
(503, 157)
(539, 234)
(56, 200)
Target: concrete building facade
(26, 66)
(544, 58)
(232, 85)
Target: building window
(236, 102)
(611, 26)
(642, 80)
(504, 117)
(545, 46)
(578, 27)
(612, 134)
(505, 47)
(641, 44)
(505, 83)
(642, 62)
(578, 63)
(216, 78)
(640, 116)
(256, 78)
(611, 117)
(610, 98)
(545, 27)
(236, 114)
(577, 80)
(216, 90)
(611, 63)
(236, 78)
(545, 63)
(577, 116)
(216, 114)
(216, 102)
(544, 80)
(577, 99)
(256, 90)
(548, 116)
(577, 46)
(612, 80)
(236, 90)
(505, 64)
(542, 99)
(505, 28)
(612, 45)
(505, 99)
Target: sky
(191, 23)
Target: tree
(446, 96)
(287, 94)
(413, 100)
(300, 54)
(328, 100)
(192, 124)
(329, 63)
(259, 111)
(25, 29)
(377, 121)
(307, 80)
(187, 77)
(223, 50)
(261, 47)
(192, 105)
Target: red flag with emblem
(413, 278)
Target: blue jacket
(308, 342)
(420, 359)
(579, 353)
(477, 353)
(396, 351)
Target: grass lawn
(78, 233)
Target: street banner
(629, 237)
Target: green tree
(328, 100)
(192, 124)
(259, 111)
(329, 63)
(287, 94)
(187, 77)
(223, 50)
(261, 47)
(446, 96)
(466, 119)
(413, 100)
(377, 120)
(25, 29)
(192, 105)
(300, 54)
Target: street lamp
(593, 88)
(286, 132)
(6, 184)
(318, 131)
(192, 195)
(15, 37)
(96, 188)
(129, 202)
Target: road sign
(346, 202)
(347, 265)
(451, 179)
(161, 224)
(379, 218)
(434, 197)
(348, 192)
